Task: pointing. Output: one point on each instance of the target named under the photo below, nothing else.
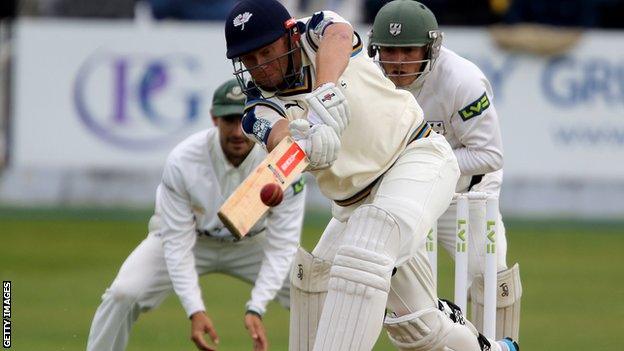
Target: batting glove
(329, 106)
(319, 142)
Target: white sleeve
(476, 126)
(283, 232)
(178, 237)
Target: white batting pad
(308, 277)
(508, 296)
(359, 282)
(411, 287)
(429, 330)
(358, 290)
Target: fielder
(372, 153)
(457, 101)
(186, 239)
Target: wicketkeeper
(186, 239)
(389, 176)
(457, 100)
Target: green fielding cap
(228, 99)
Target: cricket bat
(282, 166)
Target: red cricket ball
(271, 194)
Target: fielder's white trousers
(143, 283)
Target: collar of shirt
(228, 176)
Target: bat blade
(242, 210)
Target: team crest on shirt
(241, 19)
(395, 28)
(437, 126)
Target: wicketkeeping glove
(329, 106)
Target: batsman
(458, 103)
(388, 175)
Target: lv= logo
(475, 108)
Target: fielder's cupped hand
(254, 326)
(200, 325)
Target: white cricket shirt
(457, 101)
(383, 119)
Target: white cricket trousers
(416, 191)
(143, 283)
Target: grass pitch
(60, 262)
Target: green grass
(61, 261)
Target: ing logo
(137, 101)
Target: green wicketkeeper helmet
(402, 23)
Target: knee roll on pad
(362, 266)
(309, 277)
(373, 228)
(429, 330)
(508, 296)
